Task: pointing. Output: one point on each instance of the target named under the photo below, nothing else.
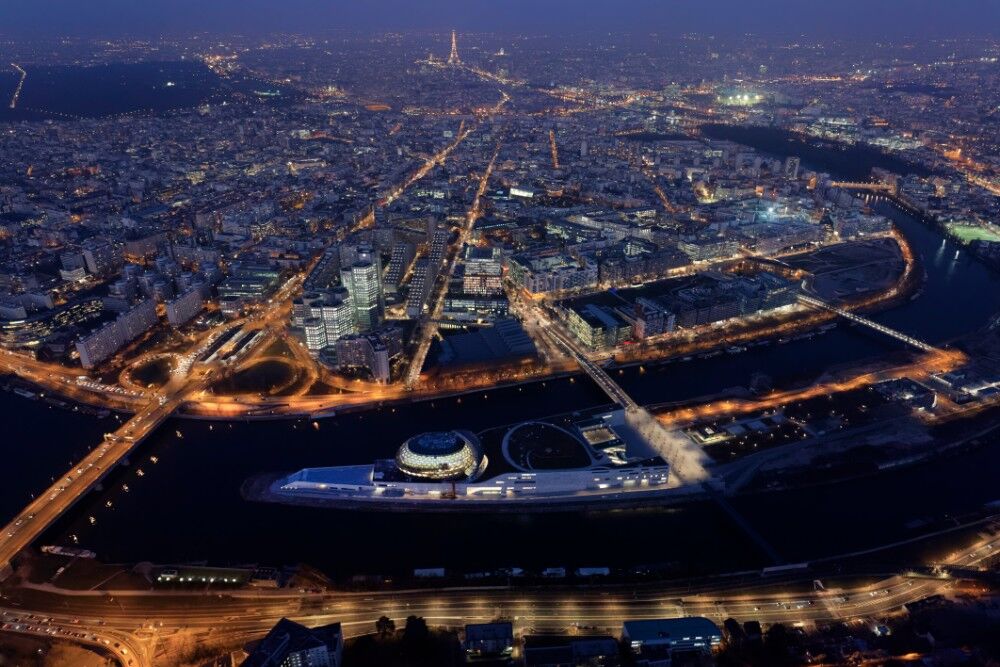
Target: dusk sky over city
(523, 333)
(845, 18)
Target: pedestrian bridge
(688, 462)
(854, 317)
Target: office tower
(337, 314)
(315, 334)
(363, 281)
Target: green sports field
(969, 233)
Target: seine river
(61, 92)
(187, 506)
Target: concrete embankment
(260, 488)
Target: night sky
(820, 18)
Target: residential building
(290, 644)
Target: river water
(60, 92)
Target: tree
(416, 630)
(385, 626)
(778, 645)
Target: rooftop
(671, 629)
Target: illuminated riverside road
(20, 85)
(63, 380)
(156, 627)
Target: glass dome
(446, 455)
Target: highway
(158, 627)
(64, 381)
(169, 619)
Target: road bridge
(72, 485)
(34, 519)
(854, 317)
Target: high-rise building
(483, 271)
(420, 286)
(315, 334)
(338, 318)
(101, 257)
(370, 351)
(305, 306)
(184, 307)
(363, 281)
(403, 253)
(426, 270)
(324, 317)
(104, 342)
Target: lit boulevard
(151, 627)
(429, 327)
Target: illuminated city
(524, 334)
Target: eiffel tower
(453, 58)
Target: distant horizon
(443, 32)
(849, 20)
